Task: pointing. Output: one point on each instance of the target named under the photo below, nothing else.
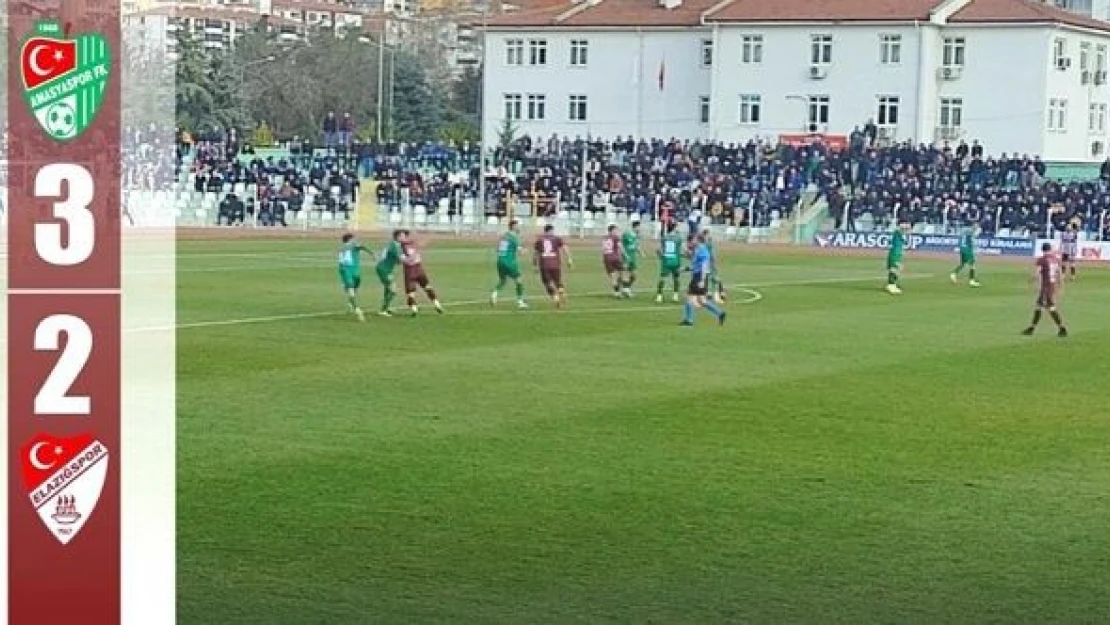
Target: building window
(953, 52)
(888, 110)
(513, 106)
(1092, 118)
(537, 52)
(751, 49)
(537, 107)
(579, 52)
(1059, 52)
(703, 109)
(706, 52)
(890, 49)
(951, 112)
(1084, 57)
(749, 111)
(514, 52)
(818, 115)
(577, 108)
(1057, 114)
(820, 49)
(1101, 128)
(1100, 58)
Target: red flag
(46, 59)
(662, 73)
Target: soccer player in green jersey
(350, 272)
(894, 258)
(967, 256)
(670, 261)
(716, 287)
(632, 252)
(391, 257)
(508, 265)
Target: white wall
(1003, 88)
(854, 81)
(1006, 83)
(621, 82)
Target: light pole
(482, 117)
(381, 73)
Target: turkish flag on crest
(45, 455)
(46, 59)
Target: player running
(550, 253)
(1050, 280)
(612, 259)
(967, 256)
(350, 271)
(700, 267)
(894, 258)
(632, 253)
(508, 265)
(1069, 250)
(416, 277)
(716, 287)
(670, 261)
(388, 262)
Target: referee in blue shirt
(700, 267)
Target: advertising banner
(1089, 251)
(942, 243)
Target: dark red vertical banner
(64, 312)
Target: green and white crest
(64, 78)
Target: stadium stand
(758, 186)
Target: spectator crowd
(866, 184)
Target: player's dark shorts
(415, 279)
(552, 275)
(613, 265)
(698, 285)
(1046, 298)
(1066, 257)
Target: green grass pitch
(832, 455)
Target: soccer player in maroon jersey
(1049, 279)
(612, 258)
(1069, 249)
(550, 251)
(412, 264)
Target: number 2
(54, 398)
(73, 209)
(547, 247)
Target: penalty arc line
(318, 315)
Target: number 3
(74, 210)
(54, 398)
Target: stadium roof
(652, 13)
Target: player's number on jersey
(73, 186)
(54, 398)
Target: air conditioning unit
(948, 133)
(1097, 148)
(1085, 77)
(950, 72)
(1100, 77)
(817, 72)
(886, 133)
(1063, 63)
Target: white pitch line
(317, 315)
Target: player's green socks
(676, 285)
(971, 273)
(387, 299)
(892, 277)
(659, 288)
(500, 285)
(520, 291)
(352, 303)
(957, 271)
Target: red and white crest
(64, 478)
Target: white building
(1018, 76)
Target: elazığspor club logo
(64, 79)
(64, 478)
